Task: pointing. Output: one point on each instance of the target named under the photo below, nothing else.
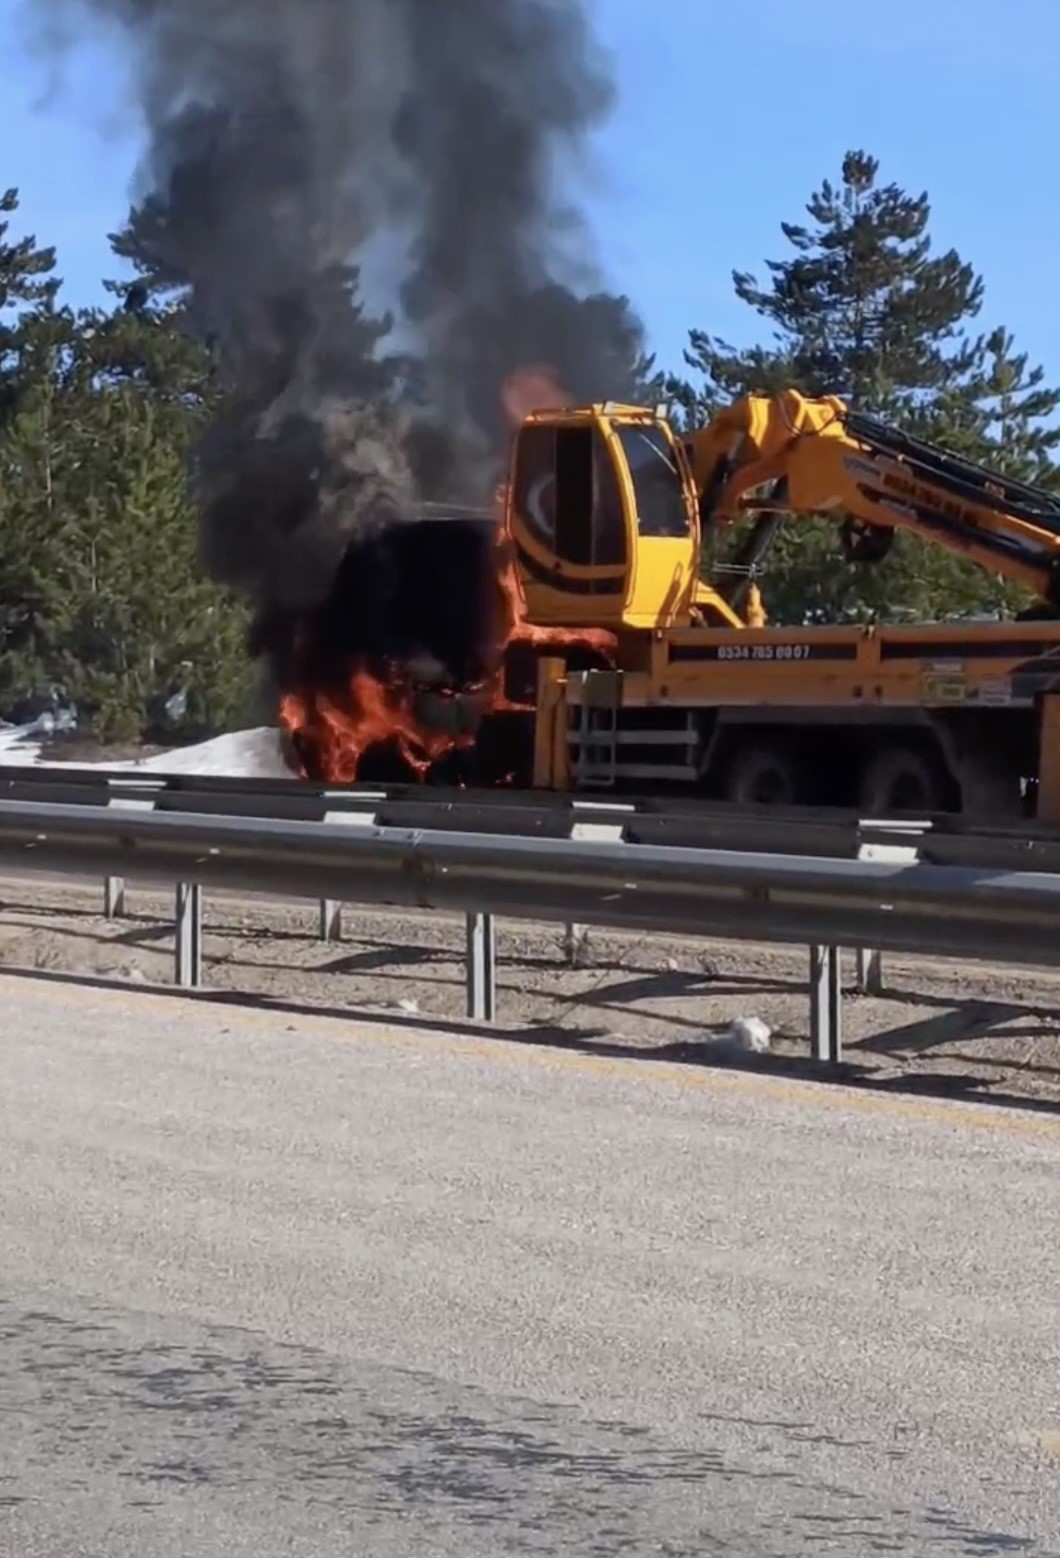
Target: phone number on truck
(763, 651)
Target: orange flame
(519, 628)
(530, 389)
(376, 714)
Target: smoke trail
(284, 138)
(496, 91)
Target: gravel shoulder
(939, 1025)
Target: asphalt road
(276, 1286)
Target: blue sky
(728, 118)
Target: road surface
(276, 1285)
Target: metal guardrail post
(575, 938)
(114, 897)
(826, 1033)
(576, 935)
(869, 970)
(481, 968)
(330, 920)
(895, 842)
(189, 935)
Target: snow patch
(240, 754)
(251, 754)
(19, 744)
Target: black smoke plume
(288, 141)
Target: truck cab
(603, 515)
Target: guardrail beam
(743, 894)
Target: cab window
(568, 496)
(657, 485)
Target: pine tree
(147, 621)
(863, 309)
(101, 591)
(27, 280)
(38, 467)
(1002, 413)
(25, 270)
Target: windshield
(657, 485)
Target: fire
(380, 710)
(376, 714)
(532, 389)
(520, 630)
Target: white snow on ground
(250, 754)
(19, 745)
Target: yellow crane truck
(608, 510)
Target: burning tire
(448, 714)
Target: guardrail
(680, 821)
(903, 904)
(691, 823)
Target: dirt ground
(938, 1026)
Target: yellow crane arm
(800, 456)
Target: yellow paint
(981, 1117)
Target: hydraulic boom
(819, 457)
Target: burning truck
(400, 629)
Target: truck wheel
(904, 779)
(764, 774)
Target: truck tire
(764, 773)
(904, 779)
